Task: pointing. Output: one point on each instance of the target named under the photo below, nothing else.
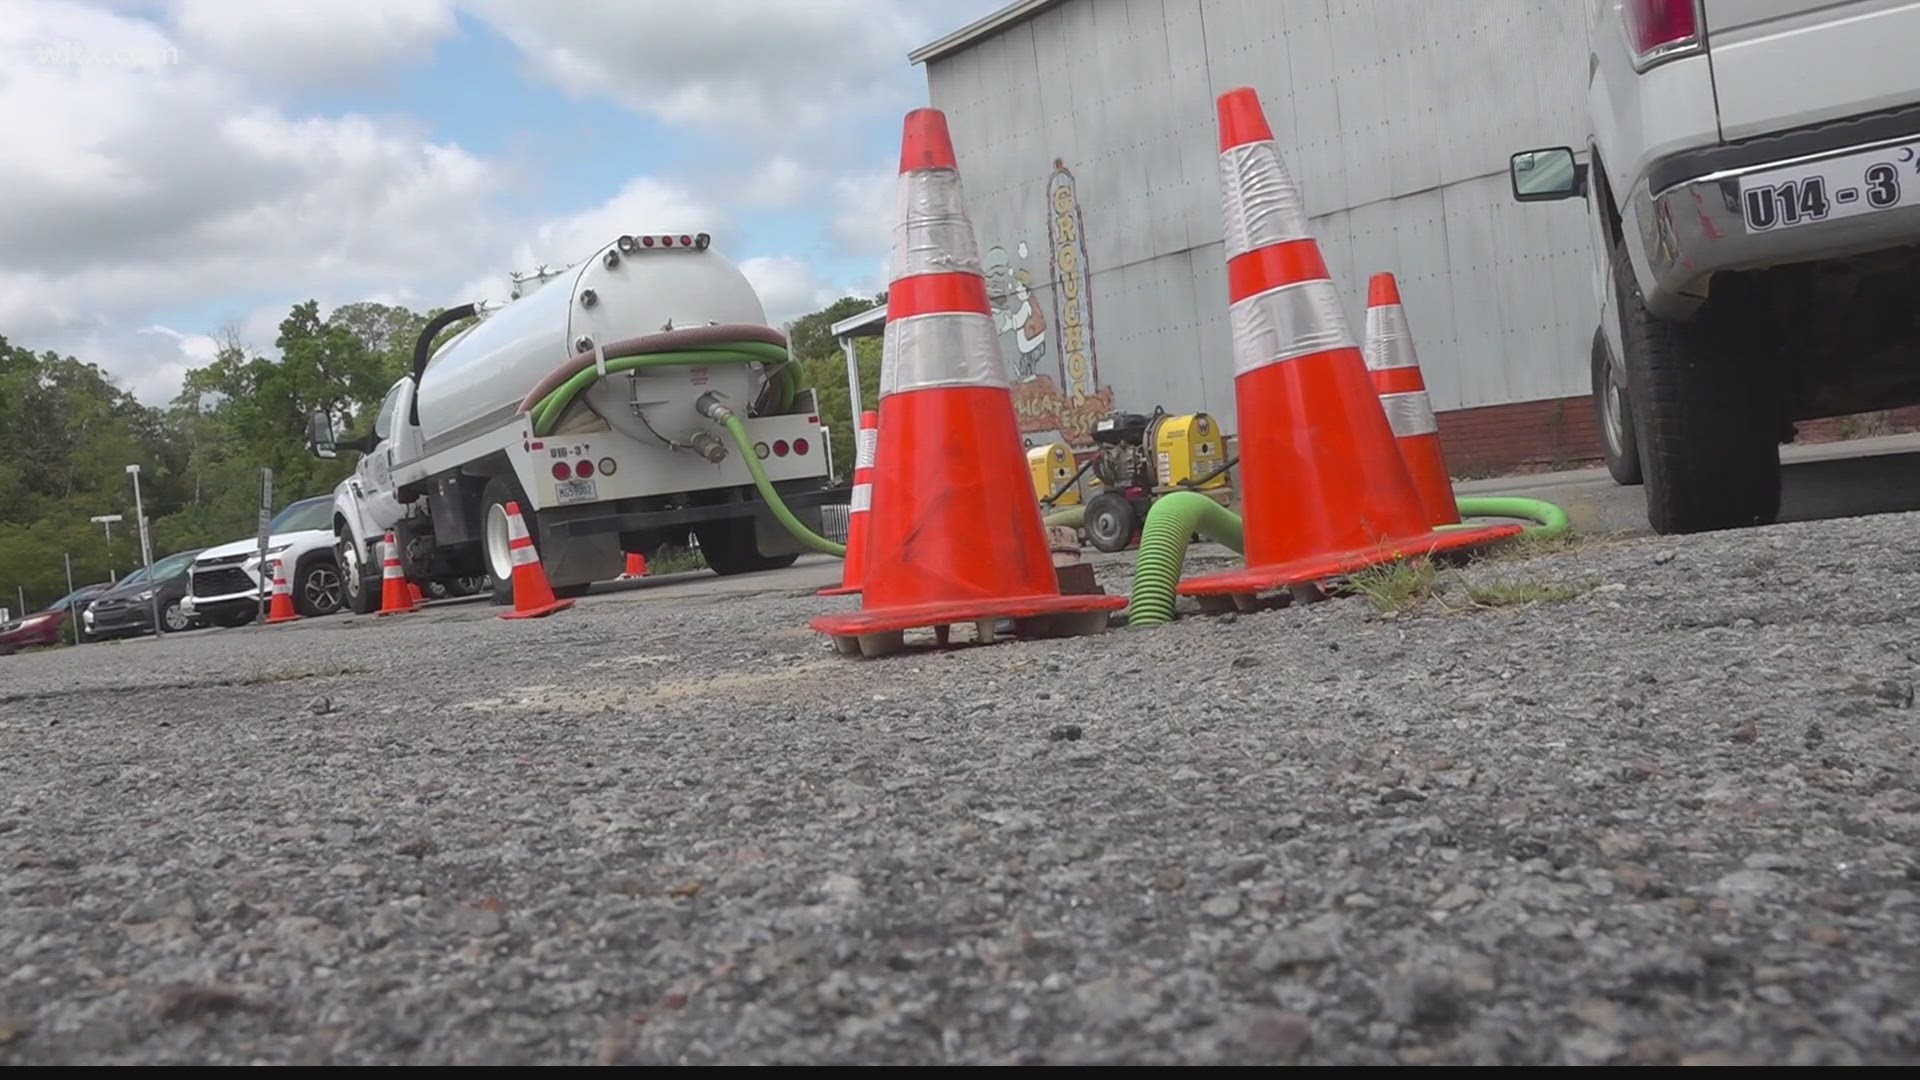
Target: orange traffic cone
(394, 599)
(636, 566)
(281, 609)
(1323, 486)
(954, 534)
(1395, 365)
(866, 443)
(532, 596)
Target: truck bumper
(1726, 207)
(739, 505)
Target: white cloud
(864, 210)
(780, 182)
(791, 287)
(306, 44)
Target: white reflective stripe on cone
(524, 556)
(1259, 203)
(862, 500)
(391, 569)
(517, 528)
(1410, 414)
(1389, 342)
(932, 234)
(946, 348)
(866, 448)
(1287, 323)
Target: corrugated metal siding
(1397, 117)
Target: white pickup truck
(1752, 177)
(622, 402)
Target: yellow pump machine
(1137, 458)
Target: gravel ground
(1670, 819)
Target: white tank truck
(624, 401)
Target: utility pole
(73, 614)
(107, 521)
(146, 545)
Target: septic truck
(626, 401)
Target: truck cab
(1751, 177)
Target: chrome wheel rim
(322, 589)
(174, 618)
(499, 559)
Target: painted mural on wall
(1056, 378)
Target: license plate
(1843, 187)
(575, 491)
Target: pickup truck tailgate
(1780, 64)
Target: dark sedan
(127, 608)
(48, 626)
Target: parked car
(1752, 181)
(127, 608)
(225, 580)
(49, 625)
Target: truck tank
(627, 289)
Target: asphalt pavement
(1630, 799)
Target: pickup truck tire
(362, 589)
(729, 548)
(1615, 415)
(1709, 448)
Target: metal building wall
(1397, 118)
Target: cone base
(397, 611)
(921, 616)
(1257, 579)
(276, 620)
(840, 590)
(537, 612)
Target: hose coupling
(710, 406)
(709, 447)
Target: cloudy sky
(176, 168)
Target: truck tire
(1613, 407)
(1708, 435)
(359, 573)
(729, 548)
(500, 491)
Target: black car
(127, 608)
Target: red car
(48, 627)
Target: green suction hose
(1175, 517)
(1071, 517)
(1171, 520)
(1549, 520)
(786, 375)
(800, 532)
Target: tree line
(68, 431)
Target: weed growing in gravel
(1395, 586)
(675, 560)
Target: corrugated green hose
(1174, 518)
(1171, 521)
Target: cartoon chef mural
(1014, 311)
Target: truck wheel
(1709, 448)
(729, 548)
(359, 574)
(1109, 521)
(1615, 409)
(500, 491)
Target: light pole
(107, 521)
(146, 547)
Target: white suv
(1752, 177)
(226, 579)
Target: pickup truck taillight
(1658, 27)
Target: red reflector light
(799, 446)
(646, 241)
(538, 445)
(779, 448)
(584, 469)
(1652, 24)
(813, 420)
(686, 241)
(560, 470)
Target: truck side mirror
(1546, 175)
(320, 438)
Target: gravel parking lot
(1663, 810)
